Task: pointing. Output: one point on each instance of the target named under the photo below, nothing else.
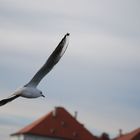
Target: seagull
(30, 89)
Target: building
(134, 135)
(56, 125)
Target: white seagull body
(30, 89)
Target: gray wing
(5, 101)
(51, 62)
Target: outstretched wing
(52, 60)
(5, 101)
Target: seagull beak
(42, 95)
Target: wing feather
(51, 62)
(5, 101)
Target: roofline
(25, 130)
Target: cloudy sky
(98, 75)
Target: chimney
(54, 113)
(120, 132)
(75, 114)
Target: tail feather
(5, 101)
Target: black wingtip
(3, 102)
(67, 34)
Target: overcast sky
(99, 74)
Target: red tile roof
(59, 125)
(130, 136)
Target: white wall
(32, 137)
(17, 137)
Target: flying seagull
(30, 89)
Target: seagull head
(41, 94)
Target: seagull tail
(5, 101)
